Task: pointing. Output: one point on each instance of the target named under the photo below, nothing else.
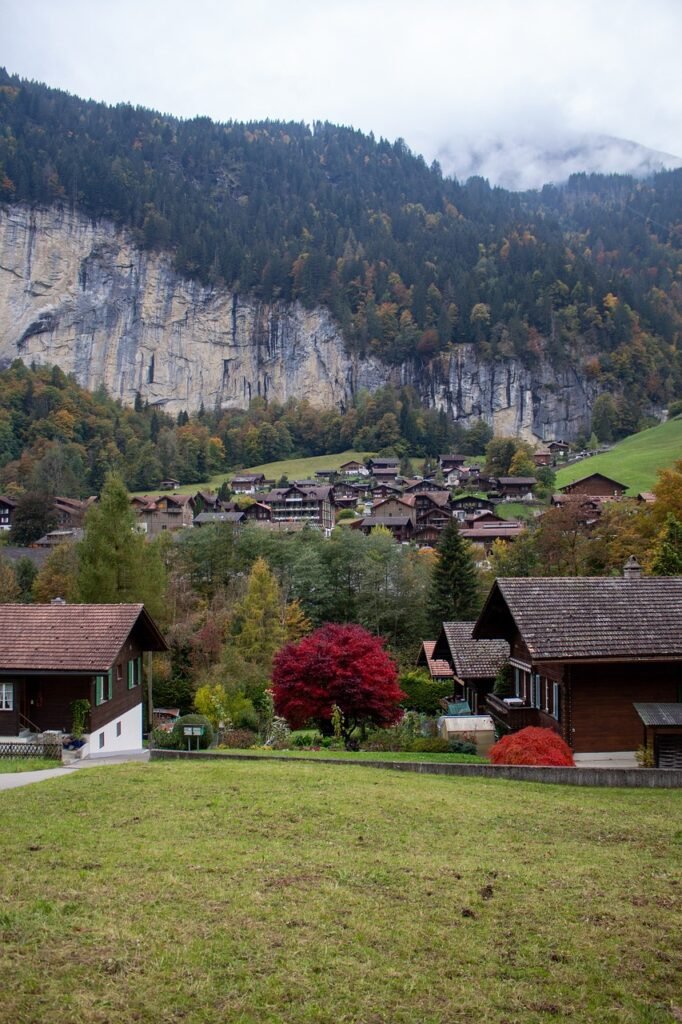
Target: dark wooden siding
(122, 699)
(602, 716)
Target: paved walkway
(12, 780)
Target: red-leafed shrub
(533, 746)
(337, 666)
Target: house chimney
(632, 570)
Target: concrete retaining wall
(648, 778)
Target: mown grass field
(634, 461)
(357, 755)
(310, 894)
(26, 764)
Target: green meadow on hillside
(265, 893)
(634, 461)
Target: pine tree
(114, 562)
(454, 592)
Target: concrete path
(12, 780)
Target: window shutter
(111, 683)
(99, 689)
(555, 696)
(131, 674)
(138, 677)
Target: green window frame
(104, 691)
(134, 672)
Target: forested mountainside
(55, 437)
(409, 264)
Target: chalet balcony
(511, 713)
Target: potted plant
(79, 710)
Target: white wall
(130, 723)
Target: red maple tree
(340, 665)
(533, 746)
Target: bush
(161, 739)
(178, 732)
(422, 693)
(533, 746)
(302, 739)
(345, 513)
(462, 747)
(240, 739)
(429, 745)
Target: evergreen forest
(409, 263)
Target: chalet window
(555, 701)
(536, 692)
(104, 687)
(134, 673)
(6, 696)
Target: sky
(448, 76)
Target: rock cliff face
(82, 296)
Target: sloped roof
(70, 638)
(563, 618)
(593, 476)
(660, 714)
(474, 659)
(438, 667)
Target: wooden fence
(51, 751)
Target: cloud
(431, 73)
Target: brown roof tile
(438, 667)
(562, 618)
(69, 638)
(474, 659)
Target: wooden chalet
(543, 457)
(596, 485)
(474, 663)
(518, 487)
(259, 512)
(461, 507)
(54, 654)
(483, 534)
(449, 462)
(7, 507)
(165, 512)
(247, 483)
(396, 505)
(169, 485)
(422, 485)
(353, 468)
(296, 503)
(402, 527)
(585, 651)
(70, 512)
(558, 447)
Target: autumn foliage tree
(340, 666)
(533, 746)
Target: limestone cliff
(81, 295)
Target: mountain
(190, 262)
(529, 163)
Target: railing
(26, 723)
(511, 716)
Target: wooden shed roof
(586, 618)
(70, 638)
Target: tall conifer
(454, 592)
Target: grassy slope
(307, 894)
(295, 469)
(634, 461)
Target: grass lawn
(27, 764)
(359, 755)
(634, 461)
(255, 893)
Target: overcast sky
(430, 71)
